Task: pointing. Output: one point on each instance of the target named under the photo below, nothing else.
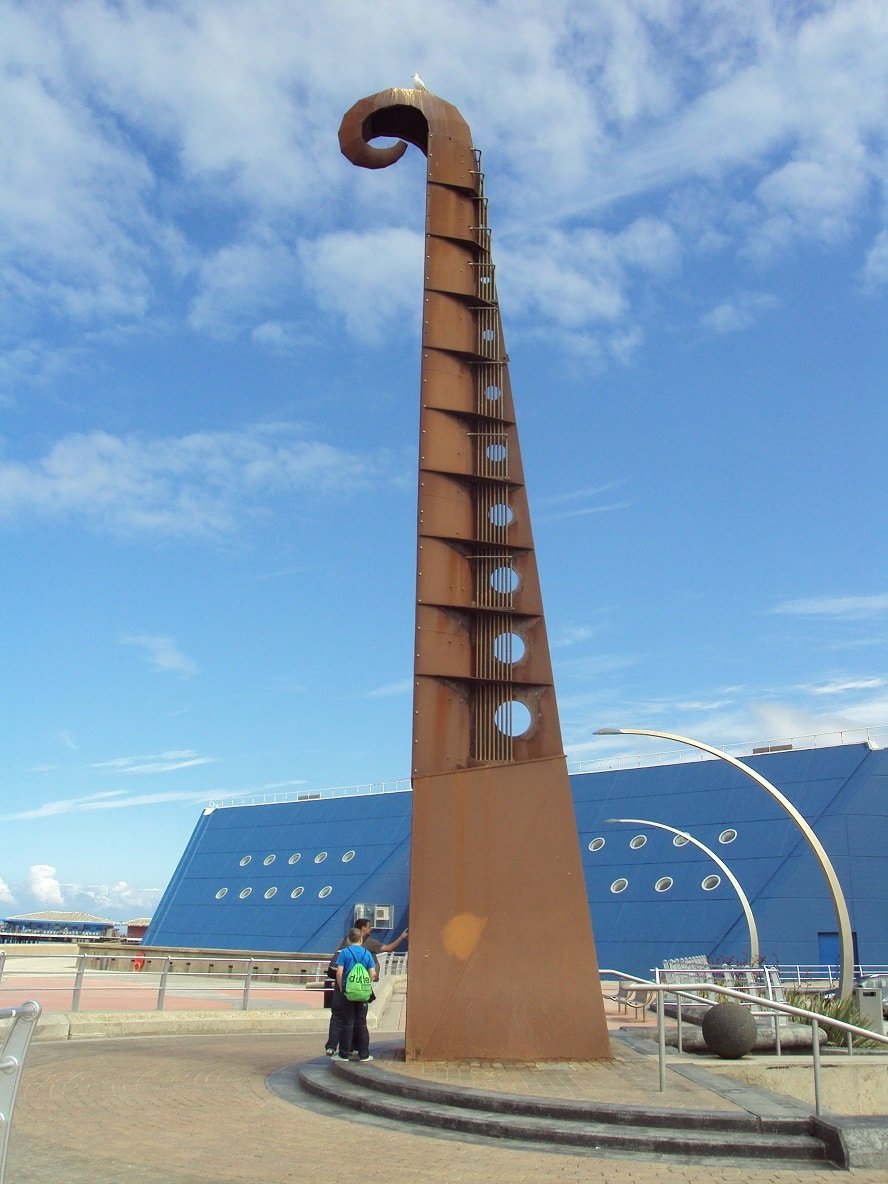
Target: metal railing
(690, 991)
(12, 1059)
(211, 979)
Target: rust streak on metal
(495, 858)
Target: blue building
(290, 877)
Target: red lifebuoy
(139, 962)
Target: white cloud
(200, 484)
(6, 896)
(371, 280)
(43, 885)
(113, 800)
(842, 686)
(571, 635)
(163, 762)
(123, 120)
(67, 740)
(849, 607)
(162, 654)
(739, 312)
(120, 899)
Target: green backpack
(357, 985)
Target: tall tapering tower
(502, 958)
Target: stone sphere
(729, 1030)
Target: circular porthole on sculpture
(508, 648)
(663, 884)
(727, 836)
(325, 891)
(680, 841)
(296, 893)
(295, 857)
(487, 334)
(512, 718)
(222, 892)
(619, 885)
(710, 882)
(348, 857)
(596, 844)
(492, 393)
(504, 580)
(637, 841)
(246, 859)
(496, 453)
(269, 859)
(270, 892)
(501, 515)
(320, 857)
(244, 893)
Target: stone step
(568, 1124)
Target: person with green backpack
(355, 974)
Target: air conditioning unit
(381, 915)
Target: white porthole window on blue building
(727, 836)
(596, 844)
(296, 893)
(269, 859)
(348, 857)
(320, 857)
(246, 859)
(270, 892)
(221, 893)
(295, 857)
(680, 841)
(244, 893)
(325, 891)
(663, 884)
(619, 885)
(637, 842)
(710, 883)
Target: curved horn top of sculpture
(413, 116)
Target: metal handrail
(292, 974)
(12, 1059)
(688, 991)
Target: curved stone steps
(589, 1126)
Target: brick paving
(192, 1109)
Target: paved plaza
(193, 1108)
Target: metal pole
(2, 962)
(678, 1021)
(777, 1047)
(78, 982)
(248, 978)
(661, 1040)
(843, 919)
(815, 1050)
(161, 990)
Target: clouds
(162, 654)
(202, 484)
(43, 886)
(43, 890)
(852, 608)
(162, 762)
(187, 156)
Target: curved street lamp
(846, 945)
(744, 899)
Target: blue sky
(209, 361)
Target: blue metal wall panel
(841, 791)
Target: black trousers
(334, 1035)
(353, 1034)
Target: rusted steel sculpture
(495, 862)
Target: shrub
(836, 1009)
